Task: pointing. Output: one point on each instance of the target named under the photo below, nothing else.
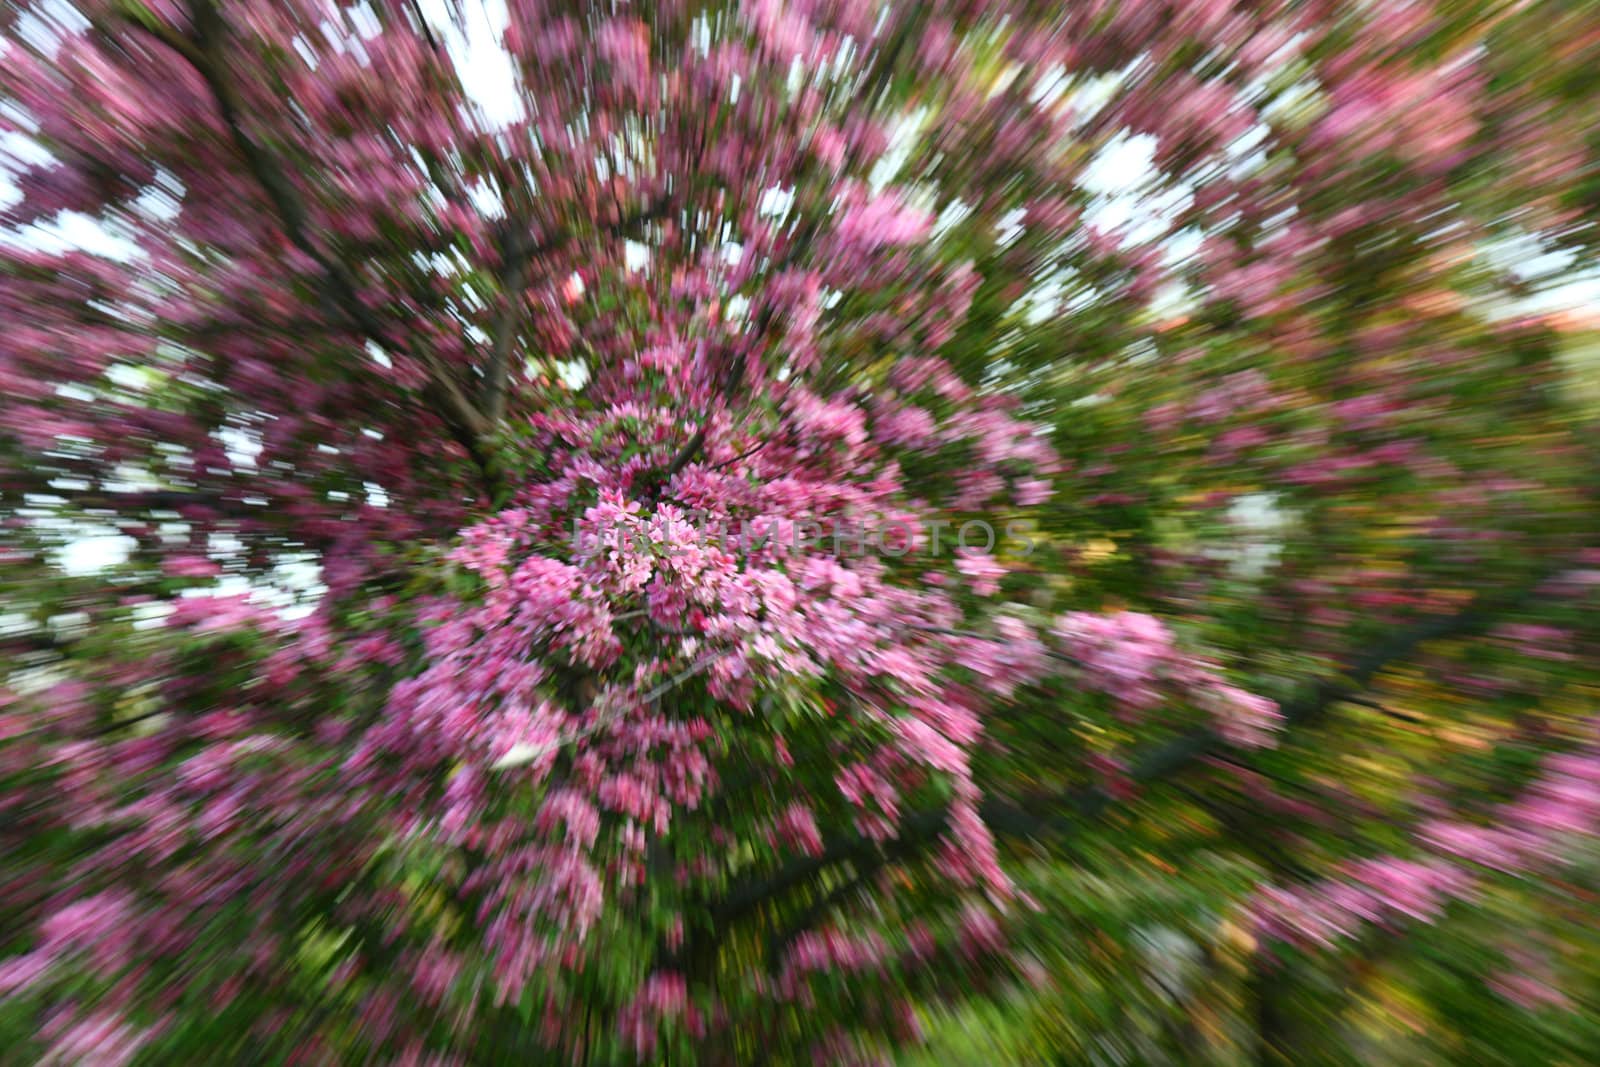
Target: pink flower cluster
(1133, 659)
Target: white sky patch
(901, 142)
(222, 545)
(94, 553)
(1560, 281)
(1051, 87)
(71, 230)
(241, 446)
(950, 217)
(15, 622)
(1041, 301)
(1089, 95)
(487, 72)
(131, 479)
(1260, 523)
(1246, 154)
(151, 616)
(1116, 176)
(17, 151)
(487, 200)
(572, 373)
(517, 755)
(635, 255)
(1578, 293)
(776, 202)
(1010, 225)
(132, 376)
(365, 21)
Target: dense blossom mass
(731, 532)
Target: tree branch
(519, 257)
(422, 24)
(503, 340)
(203, 52)
(520, 757)
(686, 454)
(1068, 811)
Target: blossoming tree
(781, 510)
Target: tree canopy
(791, 532)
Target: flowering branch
(1068, 810)
(524, 754)
(519, 258)
(203, 52)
